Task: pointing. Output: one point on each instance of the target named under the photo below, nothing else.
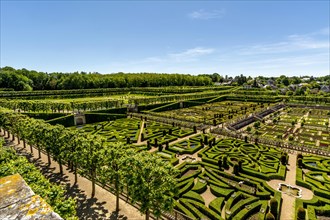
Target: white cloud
(305, 54)
(191, 54)
(206, 15)
(293, 43)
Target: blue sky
(240, 37)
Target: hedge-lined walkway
(102, 206)
(140, 133)
(288, 203)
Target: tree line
(28, 80)
(144, 177)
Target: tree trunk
(117, 196)
(147, 214)
(24, 143)
(13, 137)
(75, 174)
(93, 182)
(117, 202)
(8, 134)
(60, 165)
(48, 156)
(19, 140)
(31, 148)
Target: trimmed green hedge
(203, 209)
(66, 121)
(199, 187)
(44, 116)
(194, 196)
(217, 204)
(111, 111)
(182, 209)
(186, 188)
(99, 117)
(221, 192)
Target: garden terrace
(110, 91)
(313, 172)
(298, 126)
(191, 145)
(118, 130)
(169, 121)
(211, 113)
(242, 123)
(207, 191)
(257, 160)
(259, 116)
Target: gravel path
(288, 203)
(208, 196)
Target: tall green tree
(91, 156)
(114, 170)
(153, 184)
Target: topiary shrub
(283, 159)
(225, 162)
(291, 137)
(240, 162)
(236, 169)
(270, 216)
(220, 164)
(205, 140)
(273, 206)
(301, 213)
(167, 145)
(300, 163)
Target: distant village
(284, 85)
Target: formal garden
(308, 127)
(214, 176)
(313, 172)
(212, 113)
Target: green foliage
(54, 194)
(25, 80)
(113, 169)
(301, 213)
(236, 169)
(270, 216)
(273, 206)
(300, 164)
(152, 183)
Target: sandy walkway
(288, 204)
(140, 132)
(102, 206)
(208, 196)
